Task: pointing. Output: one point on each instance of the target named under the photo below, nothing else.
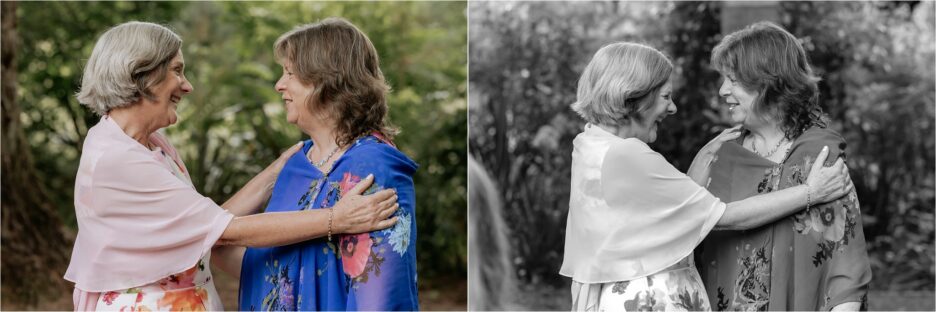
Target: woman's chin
(172, 118)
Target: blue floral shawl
(369, 271)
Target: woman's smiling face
(740, 101)
(663, 106)
(168, 92)
(295, 94)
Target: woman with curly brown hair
(814, 259)
(335, 92)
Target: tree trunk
(35, 243)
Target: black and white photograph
(701, 156)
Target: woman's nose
(280, 86)
(725, 89)
(187, 86)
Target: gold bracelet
(331, 212)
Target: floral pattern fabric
(367, 271)
(814, 259)
(192, 290)
(677, 288)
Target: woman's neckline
(786, 154)
(308, 163)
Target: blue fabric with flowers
(369, 271)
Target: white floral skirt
(192, 290)
(676, 288)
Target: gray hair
(621, 80)
(126, 61)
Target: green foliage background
(877, 64)
(233, 124)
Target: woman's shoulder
(814, 139)
(636, 155)
(105, 139)
(373, 150)
(631, 147)
(820, 134)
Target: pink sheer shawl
(137, 221)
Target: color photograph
(234, 156)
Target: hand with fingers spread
(251, 198)
(725, 136)
(700, 168)
(827, 183)
(280, 162)
(356, 213)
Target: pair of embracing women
(765, 218)
(147, 238)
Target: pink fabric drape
(137, 222)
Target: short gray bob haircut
(622, 80)
(126, 61)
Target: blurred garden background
(230, 127)
(876, 61)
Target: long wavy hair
(343, 67)
(765, 58)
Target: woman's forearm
(700, 169)
(758, 210)
(278, 228)
(250, 198)
(353, 213)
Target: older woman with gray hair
(144, 232)
(633, 218)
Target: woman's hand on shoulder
(828, 183)
(707, 153)
(280, 162)
(356, 213)
(726, 135)
(701, 164)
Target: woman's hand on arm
(349, 218)
(250, 198)
(828, 185)
(354, 213)
(823, 184)
(702, 164)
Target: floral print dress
(677, 288)
(368, 271)
(812, 260)
(191, 290)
